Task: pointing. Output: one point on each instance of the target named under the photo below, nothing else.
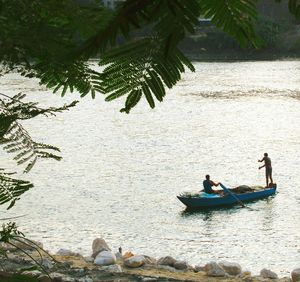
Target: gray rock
(135, 261)
(231, 268)
(199, 268)
(47, 263)
(295, 274)
(213, 269)
(88, 259)
(166, 261)
(149, 279)
(181, 265)
(105, 258)
(66, 252)
(61, 277)
(149, 260)
(113, 268)
(99, 245)
(79, 271)
(266, 273)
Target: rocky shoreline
(106, 265)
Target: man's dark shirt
(207, 187)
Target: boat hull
(228, 200)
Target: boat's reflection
(209, 213)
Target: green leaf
(148, 95)
(132, 99)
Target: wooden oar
(233, 195)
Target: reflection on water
(121, 173)
(209, 212)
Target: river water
(120, 174)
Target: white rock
(266, 273)
(213, 269)
(98, 246)
(85, 279)
(105, 258)
(166, 261)
(113, 268)
(231, 268)
(296, 275)
(135, 261)
(33, 273)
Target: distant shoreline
(241, 56)
(234, 56)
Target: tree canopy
(53, 40)
(136, 46)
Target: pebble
(168, 260)
(33, 273)
(113, 268)
(295, 275)
(47, 263)
(266, 273)
(66, 252)
(231, 268)
(181, 265)
(135, 261)
(199, 268)
(213, 269)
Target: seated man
(207, 184)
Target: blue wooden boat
(204, 200)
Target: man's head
(207, 177)
(265, 154)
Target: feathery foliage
(146, 73)
(11, 189)
(144, 66)
(57, 42)
(15, 139)
(234, 17)
(294, 7)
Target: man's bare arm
(262, 166)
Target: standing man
(268, 167)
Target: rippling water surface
(121, 173)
